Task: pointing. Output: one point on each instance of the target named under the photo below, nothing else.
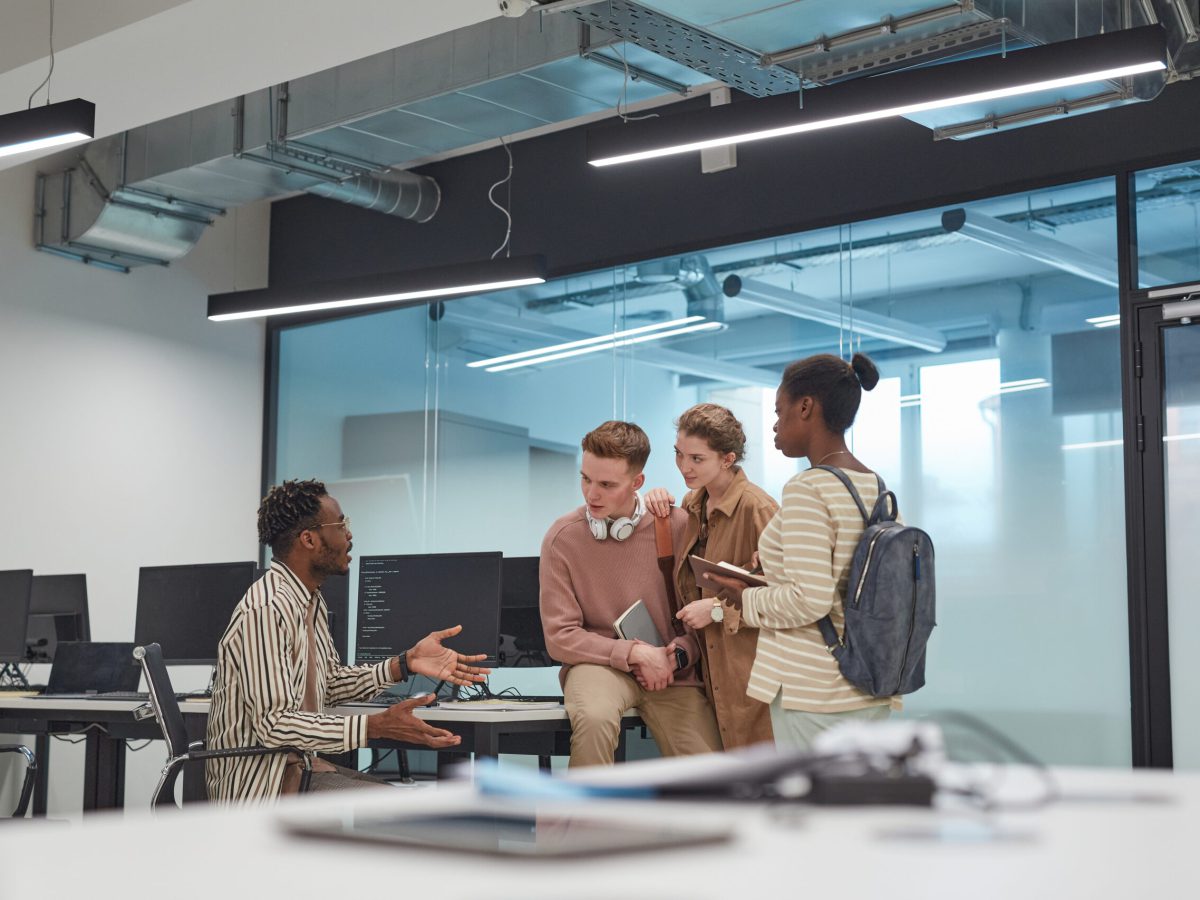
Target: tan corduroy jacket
(727, 648)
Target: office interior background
(139, 433)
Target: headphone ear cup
(598, 527)
(621, 529)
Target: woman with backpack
(806, 551)
(726, 515)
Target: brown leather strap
(666, 565)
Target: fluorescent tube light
(1026, 384)
(1089, 445)
(610, 342)
(584, 342)
(1050, 67)
(1104, 321)
(373, 290)
(47, 126)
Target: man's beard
(328, 563)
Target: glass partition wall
(997, 422)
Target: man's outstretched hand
(435, 661)
(397, 723)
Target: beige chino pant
(679, 717)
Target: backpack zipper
(912, 614)
(862, 579)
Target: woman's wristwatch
(718, 610)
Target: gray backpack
(889, 603)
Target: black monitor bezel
(494, 654)
(252, 568)
(21, 627)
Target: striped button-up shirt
(806, 551)
(262, 663)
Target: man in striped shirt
(277, 667)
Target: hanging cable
(622, 100)
(507, 179)
(46, 83)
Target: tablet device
(523, 834)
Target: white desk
(1075, 851)
(485, 732)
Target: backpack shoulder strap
(845, 479)
(664, 550)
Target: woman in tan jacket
(726, 514)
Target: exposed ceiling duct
(146, 196)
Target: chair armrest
(196, 753)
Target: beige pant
(796, 730)
(679, 717)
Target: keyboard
(99, 695)
(20, 688)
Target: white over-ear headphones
(620, 529)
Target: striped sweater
(805, 552)
(262, 662)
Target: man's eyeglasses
(343, 524)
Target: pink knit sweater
(586, 584)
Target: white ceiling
(145, 60)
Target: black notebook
(92, 667)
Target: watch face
(718, 612)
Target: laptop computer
(91, 668)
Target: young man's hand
(653, 667)
(397, 723)
(431, 659)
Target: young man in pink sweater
(596, 561)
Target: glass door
(1169, 394)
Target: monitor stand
(12, 673)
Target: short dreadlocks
(287, 510)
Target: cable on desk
(93, 726)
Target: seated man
(277, 667)
(596, 561)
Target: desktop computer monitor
(403, 598)
(15, 585)
(58, 611)
(186, 609)
(522, 641)
(336, 591)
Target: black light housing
(47, 126)
(1096, 58)
(391, 289)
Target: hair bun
(868, 375)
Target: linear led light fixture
(603, 342)
(1098, 58)
(833, 314)
(47, 126)
(1104, 321)
(583, 342)
(397, 288)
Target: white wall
(131, 429)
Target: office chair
(30, 776)
(164, 707)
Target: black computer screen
(15, 586)
(336, 591)
(186, 609)
(58, 611)
(522, 641)
(403, 598)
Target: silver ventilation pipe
(392, 192)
